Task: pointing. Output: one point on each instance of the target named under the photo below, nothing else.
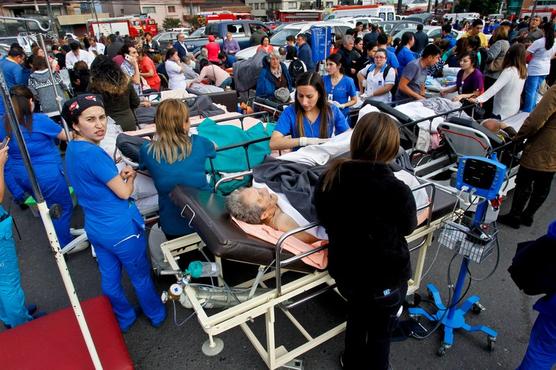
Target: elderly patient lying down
(282, 192)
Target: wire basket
(476, 244)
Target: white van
(461, 16)
(384, 12)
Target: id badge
(330, 97)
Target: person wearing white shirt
(507, 89)
(96, 48)
(376, 80)
(76, 55)
(176, 70)
(541, 52)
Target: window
(329, 4)
(171, 9)
(122, 11)
(292, 5)
(149, 9)
(256, 6)
(236, 29)
(263, 6)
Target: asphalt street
(171, 347)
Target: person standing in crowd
(412, 79)
(352, 187)
(495, 59)
(41, 87)
(477, 30)
(150, 46)
(109, 81)
(507, 89)
(541, 52)
(403, 51)
(446, 34)
(40, 134)
(80, 77)
(113, 47)
(340, 89)
(180, 46)
(541, 351)
(76, 55)
(230, 47)
(291, 51)
(304, 52)
(535, 32)
(148, 70)
(311, 120)
(257, 34)
(378, 79)
(214, 74)
(372, 35)
(391, 58)
(421, 40)
(265, 45)
(95, 47)
(347, 57)
(175, 158)
(538, 162)
(112, 221)
(469, 80)
(59, 55)
(213, 49)
(273, 76)
(12, 67)
(130, 66)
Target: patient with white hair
(260, 204)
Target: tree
(169, 23)
(483, 7)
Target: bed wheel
(216, 348)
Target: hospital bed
(206, 212)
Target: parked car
(393, 27)
(433, 33)
(353, 20)
(166, 39)
(240, 29)
(293, 29)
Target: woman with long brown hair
(120, 98)
(175, 158)
(367, 212)
(507, 89)
(311, 120)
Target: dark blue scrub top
(108, 218)
(287, 123)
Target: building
(262, 8)
(160, 9)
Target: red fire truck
(132, 25)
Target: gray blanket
(296, 181)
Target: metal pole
(51, 17)
(53, 81)
(533, 10)
(48, 226)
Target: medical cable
(185, 320)
(495, 265)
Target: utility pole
(534, 8)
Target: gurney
(207, 214)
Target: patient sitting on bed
(259, 206)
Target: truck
(385, 12)
(240, 29)
(289, 16)
(132, 26)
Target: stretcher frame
(267, 303)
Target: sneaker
(526, 220)
(31, 308)
(510, 220)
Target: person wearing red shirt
(148, 70)
(213, 50)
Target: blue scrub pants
(54, 189)
(530, 92)
(13, 311)
(541, 352)
(131, 253)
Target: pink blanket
(292, 244)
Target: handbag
(282, 95)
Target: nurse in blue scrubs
(311, 120)
(339, 87)
(40, 134)
(113, 223)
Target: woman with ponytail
(367, 212)
(311, 120)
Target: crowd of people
(110, 76)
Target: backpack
(296, 68)
(384, 73)
(533, 267)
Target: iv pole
(49, 227)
